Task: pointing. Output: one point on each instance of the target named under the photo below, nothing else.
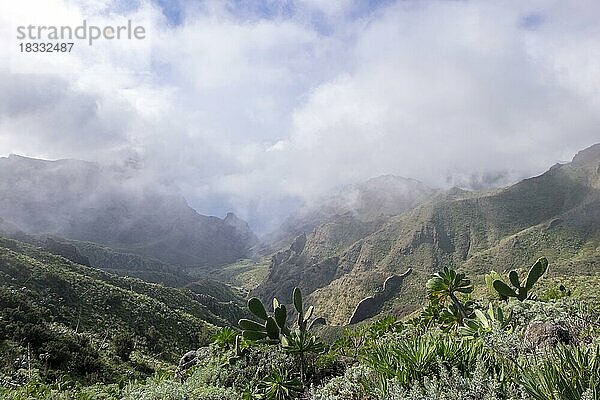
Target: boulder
(187, 360)
(545, 334)
(190, 359)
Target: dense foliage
(66, 324)
(458, 346)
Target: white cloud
(331, 7)
(245, 112)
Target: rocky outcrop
(293, 262)
(370, 306)
(474, 231)
(554, 223)
(242, 229)
(544, 334)
(369, 201)
(431, 234)
(298, 244)
(588, 156)
(189, 359)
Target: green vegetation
(468, 322)
(67, 324)
(521, 288)
(457, 346)
(556, 215)
(245, 274)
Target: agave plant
(417, 357)
(225, 338)
(447, 284)
(383, 326)
(568, 373)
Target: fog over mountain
(369, 202)
(267, 106)
(299, 199)
(346, 259)
(115, 206)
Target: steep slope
(106, 258)
(73, 319)
(117, 207)
(372, 200)
(318, 233)
(554, 214)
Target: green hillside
(556, 214)
(61, 318)
(246, 274)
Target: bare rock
(187, 360)
(298, 244)
(546, 334)
(190, 359)
(370, 306)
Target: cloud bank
(257, 106)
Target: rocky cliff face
(334, 223)
(117, 207)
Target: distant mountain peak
(233, 220)
(242, 228)
(16, 158)
(230, 216)
(590, 155)
(26, 159)
(387, 178)
(118, 207)
(346, 260)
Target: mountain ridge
(368, 202)
(454, 231)
(116, 206)
(96, 326)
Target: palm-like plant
(430, 314)
(301, 344)
(277, 386)
(446, 284)
(486, 321)
(225, 338)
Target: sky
(258, 106)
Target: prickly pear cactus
(274, 327)
(521, 289)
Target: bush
(567, 372)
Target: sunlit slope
(556, 214)
(50, 305)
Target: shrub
(567, 372)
